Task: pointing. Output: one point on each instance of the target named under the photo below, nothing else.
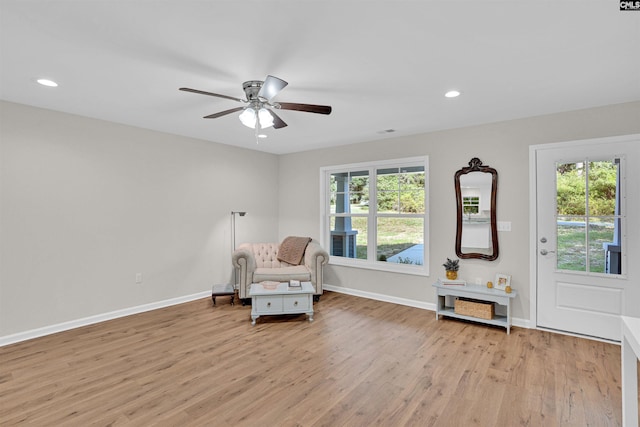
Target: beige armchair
(258, 262)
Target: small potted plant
(451, 267)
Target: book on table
(448, 282)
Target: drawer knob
(295, 303)
(268, 304)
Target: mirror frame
(475, 165)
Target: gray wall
(504, 146)
(86, 204)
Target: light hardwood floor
(360, 363)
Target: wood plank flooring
(360, 363)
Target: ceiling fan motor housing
(251, 89)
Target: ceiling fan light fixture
(248, 117)
(265, 117)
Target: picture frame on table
(502, 281)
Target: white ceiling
(379, 64)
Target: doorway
(585, 235)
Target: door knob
(545, 252)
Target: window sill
(414, 270)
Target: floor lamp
(233, 234)
(228, 289)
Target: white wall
(86, 204)
(503, 146)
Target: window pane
(349, 237)
(412, 178)
(471, 205)
(601, 234)
(348, 189)
(571, 248)
(400, 240)
(412, 201)
(603, 179)
(400, 190)
(571, 189)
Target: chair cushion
(282, 274)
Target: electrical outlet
(138, 278)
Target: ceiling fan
(259, 112)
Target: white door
(588, 235)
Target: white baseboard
(522, 323)
(65, 326)
(381, 297)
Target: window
(471, 204)
(375, 215)
(589, 216)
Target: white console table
(477, 292)
(630, 354)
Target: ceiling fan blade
(309, 108)
(278, 123)
(201, 92)
(271, 86)
(223, 113)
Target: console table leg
(508, 316)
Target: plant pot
(452, 275)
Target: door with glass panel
(588, 236)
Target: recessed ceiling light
(47, 82)
(452, 94)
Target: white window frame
(371, 262)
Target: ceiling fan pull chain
(257, 131)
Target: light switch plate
(504, 225)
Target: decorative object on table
(295, 285)
(448, 282)
(502, 281)
(508, 289)
(269, 285)
(489, 284)
(451, 267)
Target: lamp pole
(233, 231)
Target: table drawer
(269, 304)
(298, 303)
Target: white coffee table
(266, 302)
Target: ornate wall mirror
(476, 192)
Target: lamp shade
(265, 117)
(248, 117)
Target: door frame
(533, 219)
